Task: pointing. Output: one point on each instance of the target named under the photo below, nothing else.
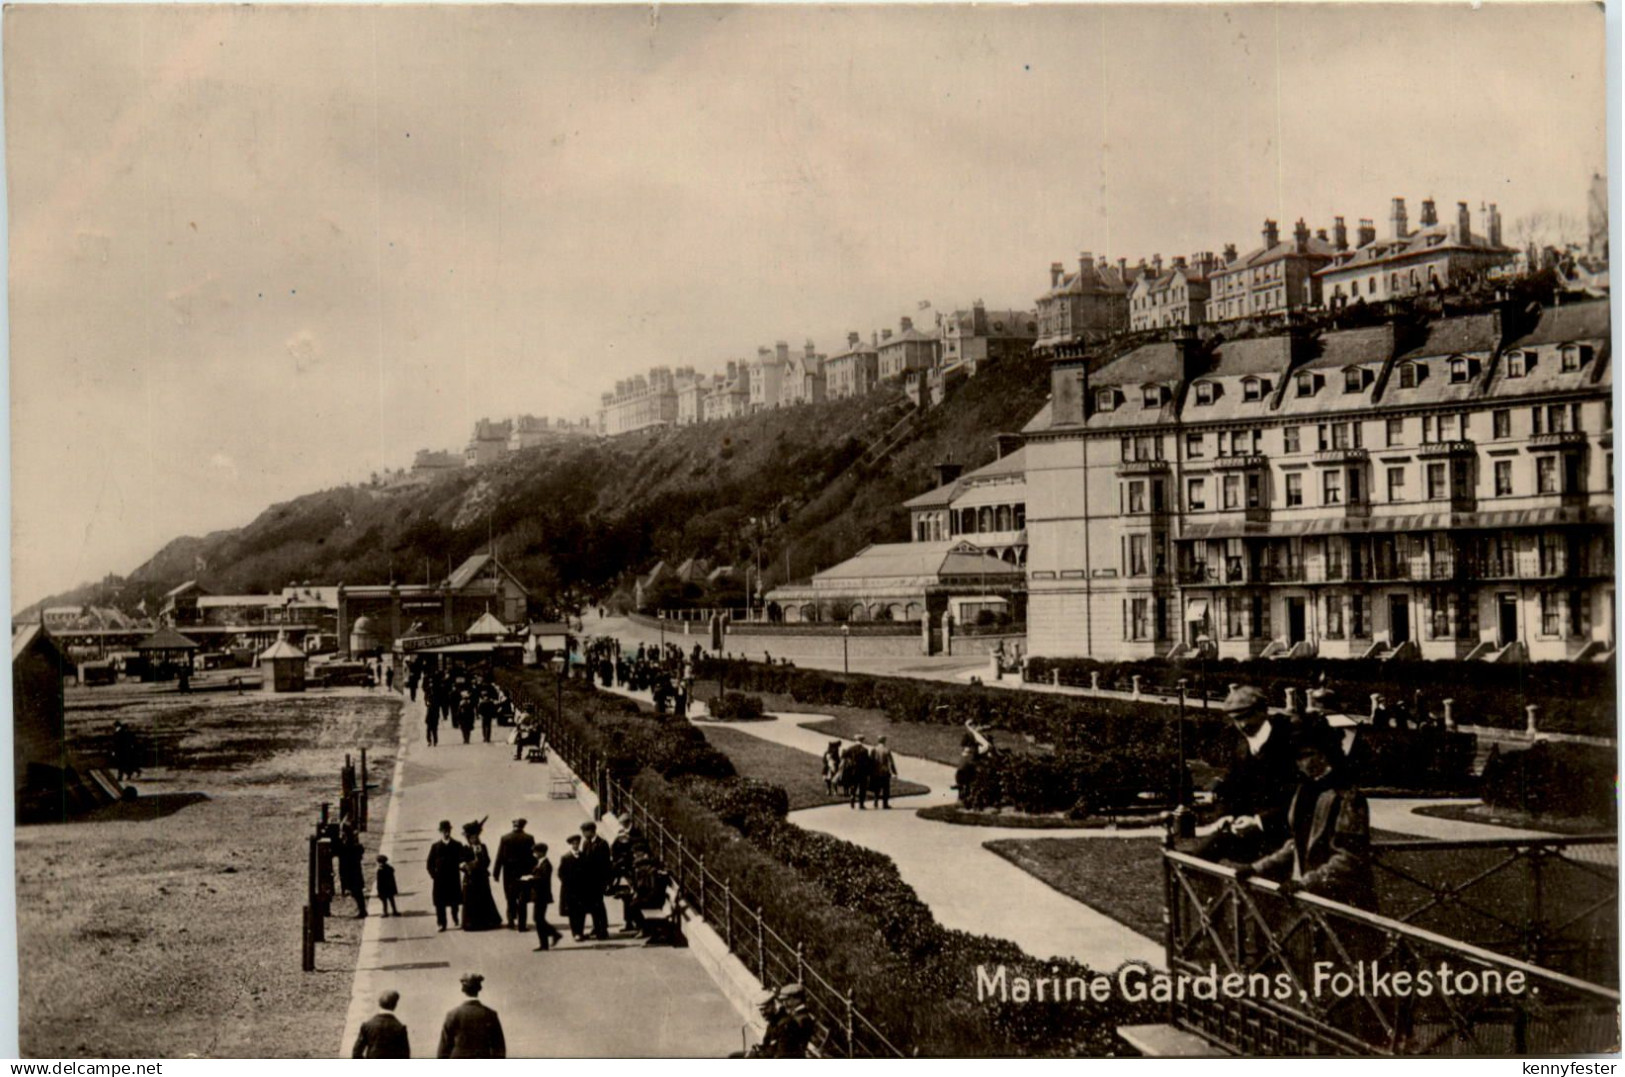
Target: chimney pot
(1430, 213)
(1229, 253)
(1156, 264)
(905, 325)
(1272, 234)
(1056, 269)
(1398, 220)
(1464, 222)
(1340, 234)
(1368, 232)
(1122, 268)
(852, 340)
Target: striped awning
(1502, 520)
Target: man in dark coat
(1254, 793)
(446, 858)
(382, 1035)
(790, 1027)
(516, 854)
(472, 1030)
(541, 892)
(351, 877)
(571, 881)
(597, 871)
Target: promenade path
(593, 999)
(1396, 815)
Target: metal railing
(1315, 976)
(1552, 902)
(771, 958)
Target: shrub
(1553, 778)
(737, 707)
(1574, 697)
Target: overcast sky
(258, 251)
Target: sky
(260, 251)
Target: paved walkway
(607, 999)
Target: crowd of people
(462, 697)
(665, 672)
(860, 772)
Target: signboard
(417, 643)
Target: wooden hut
(284, 666)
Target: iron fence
(844, 1031)
(1552, 902)
(1316, 977)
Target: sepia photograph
(812, 531)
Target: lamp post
(1184, 821)
(560, 664)
(661, 617)
(846, 660)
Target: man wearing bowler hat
(446, 858)
(516, 853)
(472, 1030)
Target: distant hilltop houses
(1288, 276)
(927, 363)
(495, 438)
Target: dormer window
(1204, 392)
(1458, 370)
(1409, 375)
(1106, 400)
(1517, 364)
(1306, 384)
(1353, 380)
(1252, 389)
(1574, 355)
(1153, 396)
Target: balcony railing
(1435, 449)
(1240, 463)
(1311, 976)
(1346, 455)
(1557, 439)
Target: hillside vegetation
(586, 515)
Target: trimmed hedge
(862, 926)
(1554, 778)
(737, 707)
(1110, 748)
(1574, 697)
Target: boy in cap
(383, 1035)
(384, 880)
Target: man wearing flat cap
(1253, 795)
(516, 853)
(472, 1030)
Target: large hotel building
(1439, 490)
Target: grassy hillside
(587, 514)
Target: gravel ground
(169, 927)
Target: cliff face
(585, 513)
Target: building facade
(805, 381)
(767, 377)
(1175, 299)
(853, 372)
(986, 507)
(639, 403)
(906, 352)
(1437, 257)
(1274, 279)
(1085, 306)
(1442, 491)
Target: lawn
(169, 926)
(798, 773)
(1120, 877)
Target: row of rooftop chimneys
(1206, 264)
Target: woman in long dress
(479, 906)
